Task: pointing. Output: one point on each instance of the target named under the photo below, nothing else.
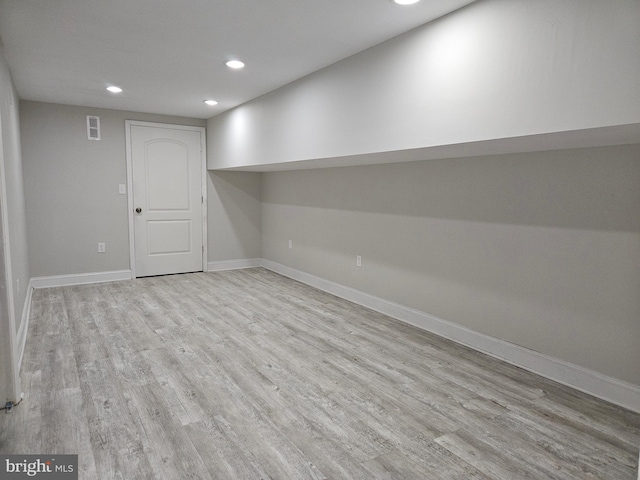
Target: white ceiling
(169, 55)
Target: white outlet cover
(122, 189)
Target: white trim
(81, 279)
(24, 324)
(132, 245)
(205, 199)
(8, 348)
(222, 265)
(602, 386)
(203, 186)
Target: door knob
(138, 210)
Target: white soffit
(585, 138)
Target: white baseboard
(602, 386)
(24, 323)
(233, 264)
(80, 279)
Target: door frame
(203, 186)
(10, 356)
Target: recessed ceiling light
(114, 89)
(405, 2)
(211, 102)
(235, 64)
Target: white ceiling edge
(584, 138)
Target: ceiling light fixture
(114, 89)
(235, 64)
(210, 102)
(405, 2)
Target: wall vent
(93, 127)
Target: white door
(167, 198)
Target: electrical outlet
(358, 261)
(290, 244)
(122, 189)
(102, 247)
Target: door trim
(10, 384)
(203, 186)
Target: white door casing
(10, 360)
(167, 198)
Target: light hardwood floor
(248, 374)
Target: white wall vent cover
(93, 127)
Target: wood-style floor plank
(249, 375)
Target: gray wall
(493, 70)
(72, 187)
(234, 212)
(539, 249)
(73, 201)
(15, 272)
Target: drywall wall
(73, 201)
(14, 277)
(71, 187)
(539, 249)
(234, 211)
(492, 70)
